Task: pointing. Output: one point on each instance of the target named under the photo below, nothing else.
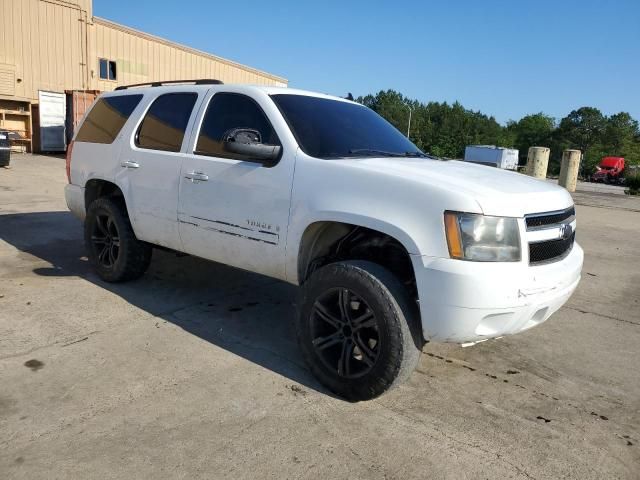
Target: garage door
(52, 118)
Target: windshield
(326, 128)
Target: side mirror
(248, 143)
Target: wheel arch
(325, 241)
(97, 187)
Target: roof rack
(201, 81)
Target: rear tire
(112, 247)
(358, 329)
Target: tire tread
(404, 356)
(137, 254)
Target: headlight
(477, 237)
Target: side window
(227, 111)
(166, 120)
(106, 118)
(107, 69)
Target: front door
(233, 209)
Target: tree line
(445, 130)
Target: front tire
(358, 329)
(112, 247)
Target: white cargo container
(505, 158)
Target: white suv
(392, 247)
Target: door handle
(196, 176)
(129, 164)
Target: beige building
(55, 56)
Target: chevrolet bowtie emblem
(566, 231)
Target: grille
(552, 250)
(548, 251)
(545, 219)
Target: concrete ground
(588, 187)
(193, 372)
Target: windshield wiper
(384, 153)
(373, 151)
(422, 155)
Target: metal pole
(409, 126)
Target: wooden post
(569, 169)
(537, 162)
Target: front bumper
(463, 301)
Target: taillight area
(68, 166)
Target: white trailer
(505, 158)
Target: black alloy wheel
(112, 247)
(106, 240)
(345, 333)
(358, 329)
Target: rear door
(150, 166)
(233, 209)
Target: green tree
(445, 130)
(439, 128)
(582, 129)
(620, 132)
(622, 137)
(392, 106)
(531, 131)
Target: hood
(498, 192)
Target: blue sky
(505, 58)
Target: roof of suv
(230, 87)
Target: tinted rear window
(106, 118)
(326, 128)
(164, 124)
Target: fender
(296, 235)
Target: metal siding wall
(41, 41)
(141, 59)
(45, 43)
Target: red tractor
(610, 170)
